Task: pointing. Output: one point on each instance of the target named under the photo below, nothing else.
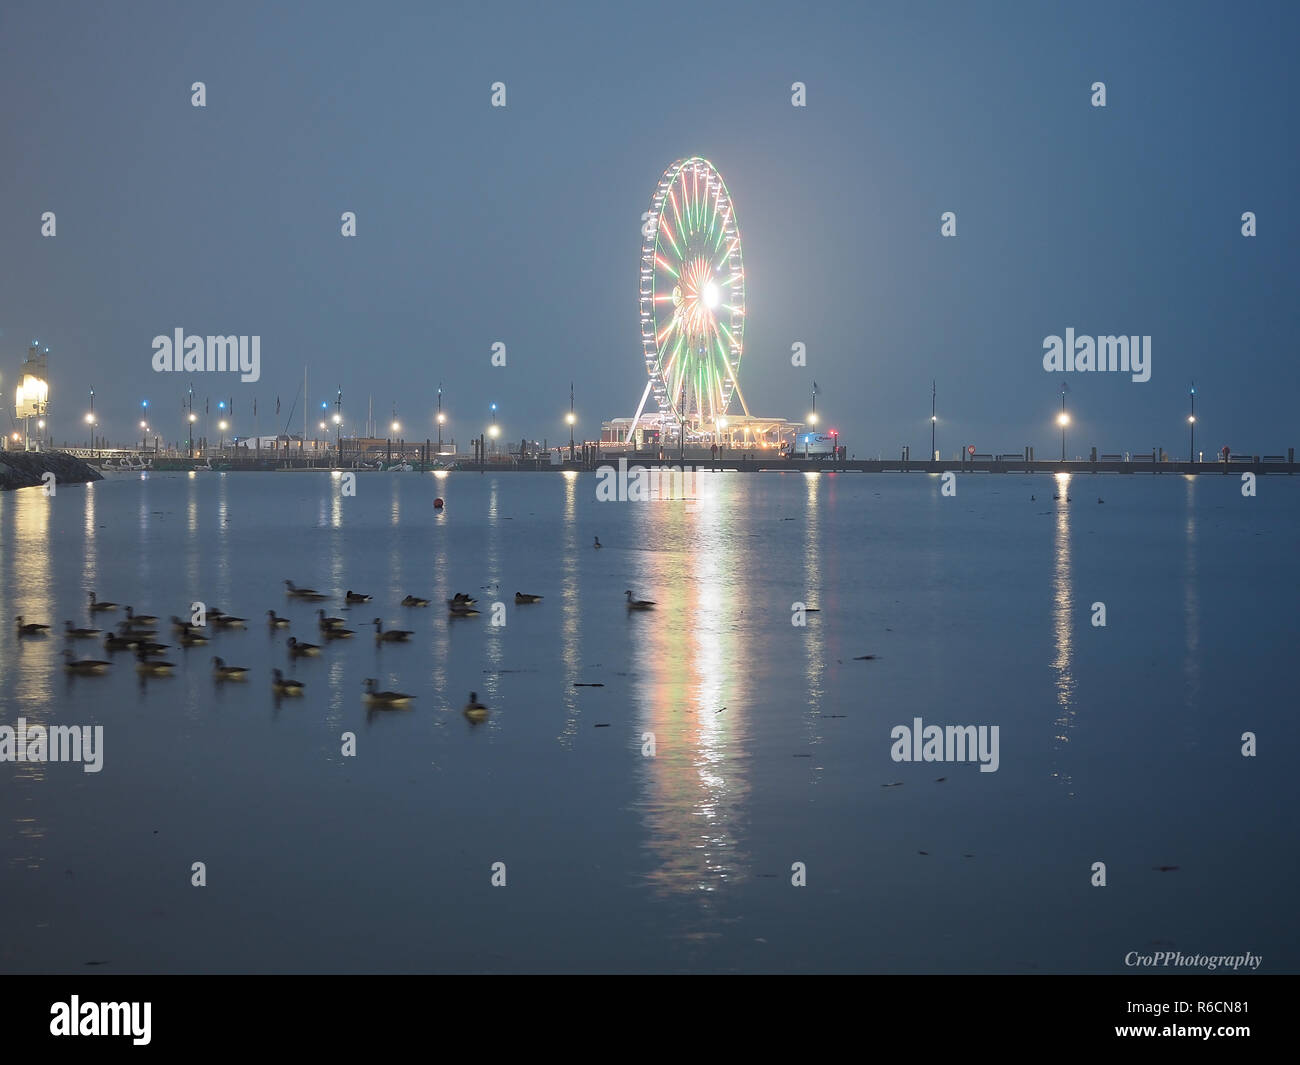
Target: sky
(521, 225)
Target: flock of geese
(136, 633)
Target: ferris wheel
(692, 294)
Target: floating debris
(605, 725)
(1165, 868)
(940, 780)
(865, 658)
(895, 784)
(586, 684)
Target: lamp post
(571, 419)
(441, 418)
(492, 432)
(1062, 420)
(933, 418)
(223, 425)
(1191, 423)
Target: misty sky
(522, 225)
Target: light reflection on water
(683, 843)
(1063, 622)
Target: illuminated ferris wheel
(692, 294)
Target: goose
(597, 544)
(152, 667)
(392, 635)
(378, 698)
(1069, 499)
(150, 648)
(180, 624)
(294, 592)
(282, 686)
(302, 650)
(461, 597)
(474, 710)
(30, 628)
(78, 634)
(338, 634)
(1033, 499)
(96, 605)
(1100, 500)
(84, 665)
(414, 600)
(224, 672)
(143, 619)
(328, 623)
(524, 597)
(639, 604)
(357, 597)
(191, 637)
(228, 621)
(275, 621)
(119, 643)
(460, 610)
(128, 629)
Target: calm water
(1118, 744)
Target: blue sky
(522, 225)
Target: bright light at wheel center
(711, 295)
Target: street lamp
(1062, 420)
(571, 419)
(1191, 423)
(223, 425)
(933, 418)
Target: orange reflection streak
(31, 664)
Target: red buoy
(437, 503)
